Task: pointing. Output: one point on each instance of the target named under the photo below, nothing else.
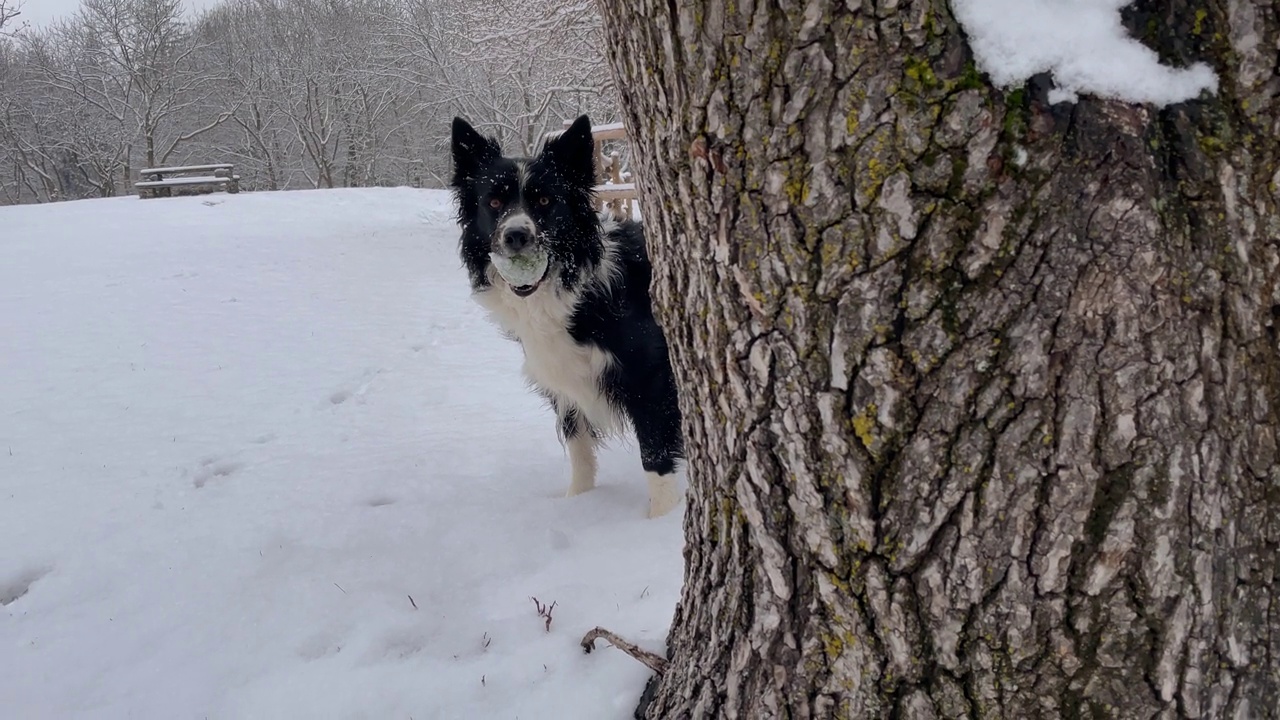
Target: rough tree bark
(980, 394)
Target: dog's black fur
(595, 293)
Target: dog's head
(520, 210)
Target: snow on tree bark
(980, 393)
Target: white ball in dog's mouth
(523, 270)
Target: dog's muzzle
(517, 256)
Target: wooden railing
(614, 192)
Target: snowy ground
(239, 433)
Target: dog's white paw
(664, 494)
(577, 488)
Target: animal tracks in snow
(212, 468)
(17, 585)
(398, 646)
(215, 469)
(319, 645)
(355, 390)
(391, 646)
(218, 467)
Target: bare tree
(145, 54)
(981, 393)
(298, 93)
(261, 146)
(64, 111)
(518, 70)
(121, 73)
(9, 11)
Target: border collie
(572, 287)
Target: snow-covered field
(262, 457)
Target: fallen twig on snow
(653, 661)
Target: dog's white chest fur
(553, 360)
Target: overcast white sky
(41, 12)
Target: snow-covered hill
(261, 457)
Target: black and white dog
(572, 286)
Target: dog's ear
(471, 151)
(573, 152)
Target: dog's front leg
(581, 444)
(660, 448)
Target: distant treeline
(296, 93)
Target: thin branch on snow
(653, 661)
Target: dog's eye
(544, 200)
(495, 203)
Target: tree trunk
(151, 144)
(107, 184)
(980, 394)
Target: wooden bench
(616, 193)
(187, 180)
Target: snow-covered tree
(298, 93)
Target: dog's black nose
(515, 239)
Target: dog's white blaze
(553, 360)
(517, 219)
